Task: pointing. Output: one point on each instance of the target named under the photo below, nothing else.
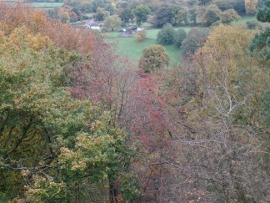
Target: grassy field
(244, 19)
(131, 48)
(47, 4)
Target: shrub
(141, 35)
(179, 36)
(154, 57)
(166, 35)
(253, 25)
(229, 16)
(212, 15)
(194, 40)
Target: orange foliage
(62, 35)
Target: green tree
(212, 15)
(192, 15)
(224, 5)
(194, 40)
(239, 6)
(179, 16)
(99, 16)
(229, 16)
(32, 93)
(179, 36)
(126, 15)
(110, 8)
(51, 142)
(204, 2)
(86, 7)
(253, 25)
(122, 4)
(261, 42)
(154, 57)
(97, 4)
(163, 15)
(112, 23)
(141, 12)
(166, 35)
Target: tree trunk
(113, 192)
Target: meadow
(132, 49)
(47, 4)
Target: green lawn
(131, 48)
(47, 4)
(244, 19)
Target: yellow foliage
(225, 50)
(251, 6)
(230, 76)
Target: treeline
(79, 123)
(177, 13)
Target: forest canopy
(81, 123)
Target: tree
(214, 93)
(179, 36)
(194, 40)
(45, 131)
(97, 4)
(110, 8)
(64, 17)
(229, 95)
(204, 2)
(253, 25)
(224, 5)
(141, 35)
(112, 23)
(251, 6)
(163, 15)
(200, 14)
(166, 35)
(239, 6)
(260, 43)
(212, 15)
(229, 16)
(141, 12)
(263, 13)
(154, 57)
(86, 7)
(179, 15)
(37, 22)
(126, 15)
(122, 4)
(31, 121)
(193, 15)
(99, 16)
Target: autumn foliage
(62, 35)
(80, 123)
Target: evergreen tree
(261, 42)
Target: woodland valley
(164, 101)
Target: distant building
(93, 25)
